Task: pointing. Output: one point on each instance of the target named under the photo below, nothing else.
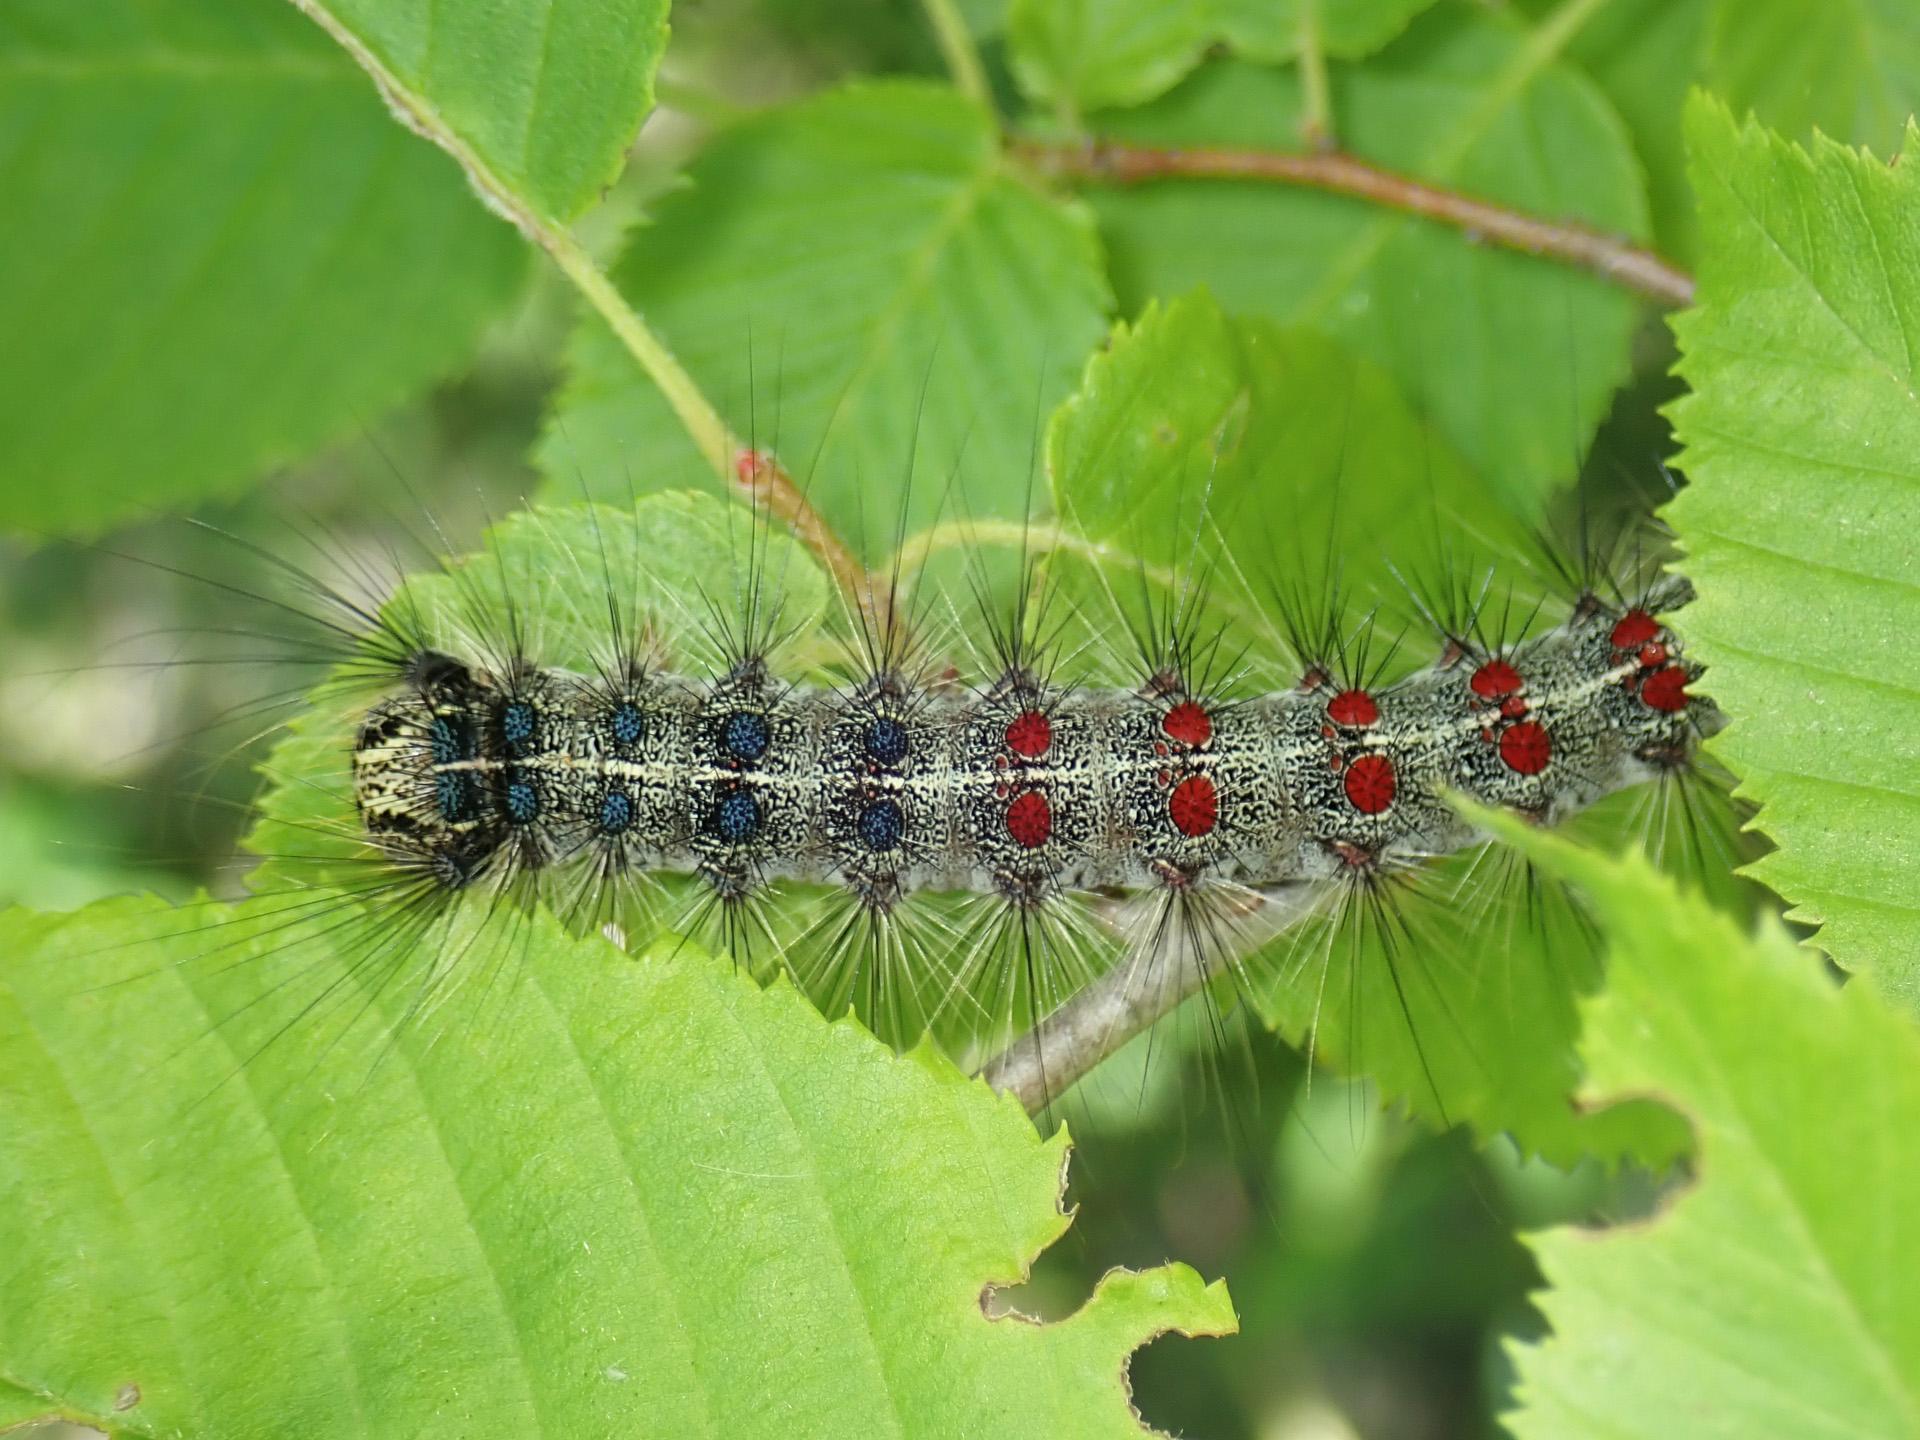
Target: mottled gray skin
(450, 780)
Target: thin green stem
(1035, 538)
(711, 435)
(1316, 107)
(1541, 48)
(958, 50)
(1556, 32)
(768, 485)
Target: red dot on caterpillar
(1370, 784)
(1194, 806)
(1030, 734)
(1495, 679)
(1634, 629)
(1665, 689)
(1653, 655)
(1353, 707)
(1513, 707)
(1188, 723)
(1526, 748)
(1030, 820)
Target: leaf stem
(711, 435)
(958, 50)
(1136, 994)
(1035, 537)
(765, 482)
(1316, 113)
(1608, 256)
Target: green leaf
(589, 1193)
(1467, 1008)
(1192, 408)
(1772, 1296)
(224, 251)
(1645, 54)
(1801, 437)
(1848, 67)
(544, 96)
(1345, 29)
(1462, 1000)
(1086, 55)
(862, 283)
(1515, 357)
(1091, 54)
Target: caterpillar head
(1660, 718)
(419, 806)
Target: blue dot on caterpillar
(521, 799)
(886, 740)
(616, 812)
(746, 735)
(625, 724)
(882, 825)
(519, 725)
(736, 817)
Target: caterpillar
(1018, 787)
(948, 845)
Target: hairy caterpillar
(576, 716)
(1155, 750)
(1019, 787)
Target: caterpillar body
(1021, 789)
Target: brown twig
(774, 492)
(1608, 256)
(769, 486)
(1143, 989)
(1047, 1061)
